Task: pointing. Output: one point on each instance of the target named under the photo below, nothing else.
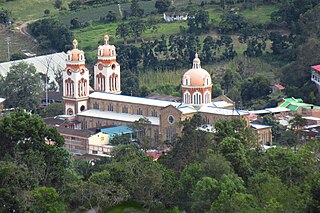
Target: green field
(26, 10)
(260, 14)
(94, 13)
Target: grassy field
(94, 13)
(260, 14)
(26, 10)
(17, 44)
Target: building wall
(116, 106)
(76, 144)
(264, 136)
(90, 122)
(213, 118)
(99, 139)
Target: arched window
(101, 52)
(69, 57)
(207, 97)
(197, 98)
(69, 87)
(110, 107)
(187, 98)
(100, 82)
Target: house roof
(2, 100)
(316, 67)
(222, 111)
(260, 126)
(185, 109)
(222, 104)
(56, 62)
(132, 99)
(280, 87)
(164, 97)
(75, 132)
(117, 116)
(117, 130)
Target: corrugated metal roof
(55, 61)
(117, 130)
(260, 126)
(222, 111)
(117, 116)
(132, 99)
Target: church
(105, 106)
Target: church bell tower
(75, 81)
(107, 70)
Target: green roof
(294, 103)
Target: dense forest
(204, 172)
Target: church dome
(196, 76)
(75, 54)
(106, 50)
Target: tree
(46, 200)
(52, 110)
(4, 15)
(162, 5)
(199, 23)
(46, 12)
(135, 9)
(74, 5)
(57, 4)
(17, 56)
(22, 130)
(231, 23)
(123, 31)
(205, 192)
(255, 88)
(75, 23)
(22, 87)
(137, 28)
(52, 34)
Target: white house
(175, 16)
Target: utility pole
(8, 43)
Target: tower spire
(75, 43)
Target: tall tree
(162, 5)
(135, 9)
(22, 87)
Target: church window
(154, 113)
(110, 107)
(170, 119)
(207, 97)
(95, 105)
(187, 97)
(101, 52)
(82, 108)
(124, 109)
(69, 57)
(197, 98)
(170, 133)
(139, 111)
(70, 111)
(69, 87)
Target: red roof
(316, 67)
(155, 155)
(280, 87)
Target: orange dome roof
(106, 49)
(74, 54)
(196, 76)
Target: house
(263, 133)
(175, 16)
(298, 106)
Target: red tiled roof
(316, 67)
(280, 87)
(155, 155)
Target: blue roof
(118, 130)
